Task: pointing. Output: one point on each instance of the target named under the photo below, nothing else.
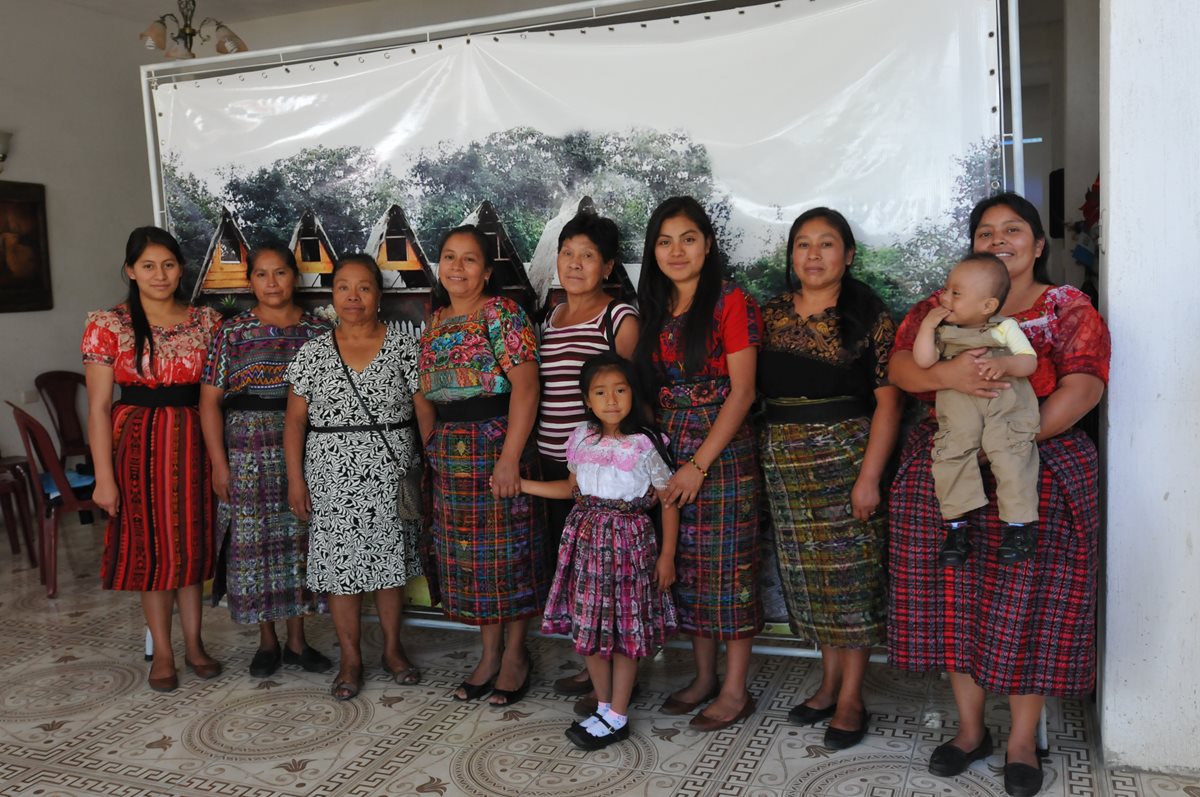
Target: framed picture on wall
(24, 252)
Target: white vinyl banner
(883, 109)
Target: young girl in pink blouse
(611, 588)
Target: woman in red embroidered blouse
(698, 355)
(152, 473)
(1025, 631)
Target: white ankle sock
(602, 708)
(617, 721)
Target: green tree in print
(347, 188)
(528, 175)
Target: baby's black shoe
(955, 547)
(1016, 542)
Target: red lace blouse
(1067, 333)
(179, 351)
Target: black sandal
(473, 691)
(513, 696)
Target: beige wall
(69, 92)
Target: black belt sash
(248, 403)
(480, 408)
(169, 396)
(411, 423)
(830, 410)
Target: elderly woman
(152, 474)
(477, 404)
(1026, 630)
(349, 440)
(588, 323)
(242, 402)
(832, 422)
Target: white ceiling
(225, 10)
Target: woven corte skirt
(717, 559)
(162, 535)
(603, 592)
(267, 547)
(831, 564)
(489, 551)
(1028, 628)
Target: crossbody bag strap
(610, 334)
(361, 402)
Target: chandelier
(180, 45)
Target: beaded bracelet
(696, 465)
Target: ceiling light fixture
(155, 36)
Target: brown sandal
(346, 690)
(407, 677)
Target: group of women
(316, 439)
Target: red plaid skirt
(1015, 629)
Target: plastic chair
(55, 490)
(14, 503)
(59, 391)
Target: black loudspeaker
(1058, 210)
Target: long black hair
(139, 239)
(1026, 210)
(858, 307)
(638, 421)
(656, 293)
(438, 296)
(275, 248)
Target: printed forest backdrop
(899, 132)
(528, 176)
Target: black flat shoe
(586, 741)
(802, 714)
(948, 760)
(265, 662)
(1022, 780)
(840, 739)
(309, 659)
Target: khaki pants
(1004, 428)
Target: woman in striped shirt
(587, 323)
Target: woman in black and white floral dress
(342, 477)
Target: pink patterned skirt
(603, 592)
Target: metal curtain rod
(515, 21)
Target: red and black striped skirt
(1028, 628)
(162, 535)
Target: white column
(1150, 176)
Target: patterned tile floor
(76, 718)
